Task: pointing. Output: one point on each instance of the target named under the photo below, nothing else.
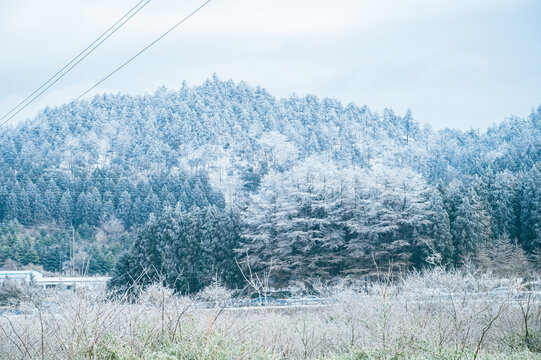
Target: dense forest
(199, 184)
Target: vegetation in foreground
(435, 315)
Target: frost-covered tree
(221, 143)
(318, 220)
(530, 210)
(471, 225)
(504, 201)
(186, 250)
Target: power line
(123, 20)
(140, 52)
(133, 57)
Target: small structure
(36, 278)
(26, 276)
(79, 282)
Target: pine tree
(124, 209)
(504, 204)
(107, 211)
(471, 226)
(438, 246)
(83, 209)
(28, 254)
(138, 211)
(11, 206)
(95, 206)
(36, 205)
(151, 205)
(65, 209)
(265, 223)
(24, 211)
(530, 205)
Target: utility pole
(72, 255)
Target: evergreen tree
(504, 204)
(530, 205)
(65, 209)
(125, 208)
(471, 225)
(11, 206)
(28, 254)
(438, 249)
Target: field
(435, 315)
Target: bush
(11, 292)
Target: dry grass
(436, 315)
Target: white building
(87, 282)
(20, 276)
(37, 278)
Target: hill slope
(104, 165)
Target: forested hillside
(194, 182)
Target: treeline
(187, 250)
(101, 208)
(321, 221)
(300, 186)
(92, 199)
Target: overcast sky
(454, 63)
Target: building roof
(4, 273)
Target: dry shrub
(408, 319)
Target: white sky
(454, 63)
